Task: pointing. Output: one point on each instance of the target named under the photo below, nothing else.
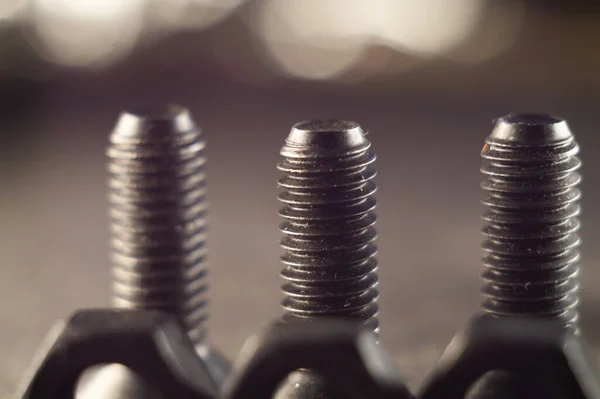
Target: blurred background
(425, 77)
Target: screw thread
(531, 221)
(158, 216)
(330, 265)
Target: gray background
(427, 128)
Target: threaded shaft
(531, 257)
(330, 269)
(158, 215)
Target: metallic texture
(158, 228)
(330, 264)
(541, 358)
(158, 215)
(531, 222)
(150, 344)
(347, 355)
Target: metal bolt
(531, 261)
(157, 196)
(330, 259)
(158, 216)
(158, 213)
(531, 223)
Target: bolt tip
(154, 120)
(325, 137)
(529, 129)
(156, 111)
(325, 126)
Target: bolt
(158, 216)
(531, 261)
(531, 224)
(157, 196)
(158, 213)
(330, 268)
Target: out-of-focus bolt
(157, 193)
(330, 259)
(157, 196)
(531, 223)
(158, 216)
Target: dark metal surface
(550, 367)
(157, 194)
(330, 265)
(531, 261)
(346, 354)
(323, 351)
(151, 344)
(158, 224)
(540, 355)
(531, 224)
(536, 356)
(115, 381)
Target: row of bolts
(158, 219)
